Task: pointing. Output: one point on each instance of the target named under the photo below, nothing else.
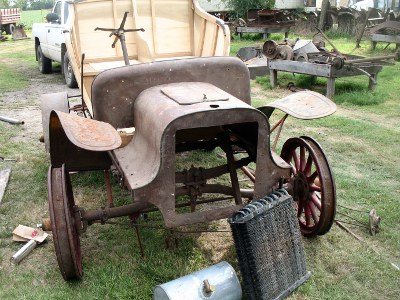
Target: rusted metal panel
(89, 134)
(114, 91)
(49, 102)
(304, 105)
(150, 173)
(63, 151)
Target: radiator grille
(269, 247)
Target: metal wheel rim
(315, 210)
(65, 234)
(330, 206)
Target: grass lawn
(361, 140)
(28, 17)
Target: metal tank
(218, 282)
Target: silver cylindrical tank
(213, 283)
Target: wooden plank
(118, 48)
(202, 32)
(262, 29)
(154, 26)
(173, 55)
(385, 38)
(114, 8)
(77, 45)
(349, 71)
(330, 88)
(323, 14)
(4, 176)
(191, 28)
(322, 70)
(300, 67)
(216, 40)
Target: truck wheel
(10, 28)
(69, 75)
(43, 61)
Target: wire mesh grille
(269, 247)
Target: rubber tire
(43, 61)
(10, 28)
(69, 75)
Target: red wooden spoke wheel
(313, 185)
(63, 225)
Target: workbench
(266, 31)
(385, 38)
(323, 70)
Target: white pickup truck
(50, 42)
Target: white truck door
(54, 31)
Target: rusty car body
(179, 105)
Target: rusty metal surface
(303, 105)
(89, 134)
(161, 123)
(313, 184)
(63, 223)
(114, 91)
(49, 102)
(63, 151)
(194, 92)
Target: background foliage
(27, 4)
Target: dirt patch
(24, 104)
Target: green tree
(242, 6)
(21, 4)
(4, 4)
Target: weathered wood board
(4, 177)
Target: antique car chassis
(177, 106)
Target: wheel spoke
(302, 158)
(307, 215)
(313, 212)
(315, 188)
(312, 177)
(300, 209)
(315, 200)
(308, 166)
(296, 159)
(294, 171)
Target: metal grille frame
(269, 247)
